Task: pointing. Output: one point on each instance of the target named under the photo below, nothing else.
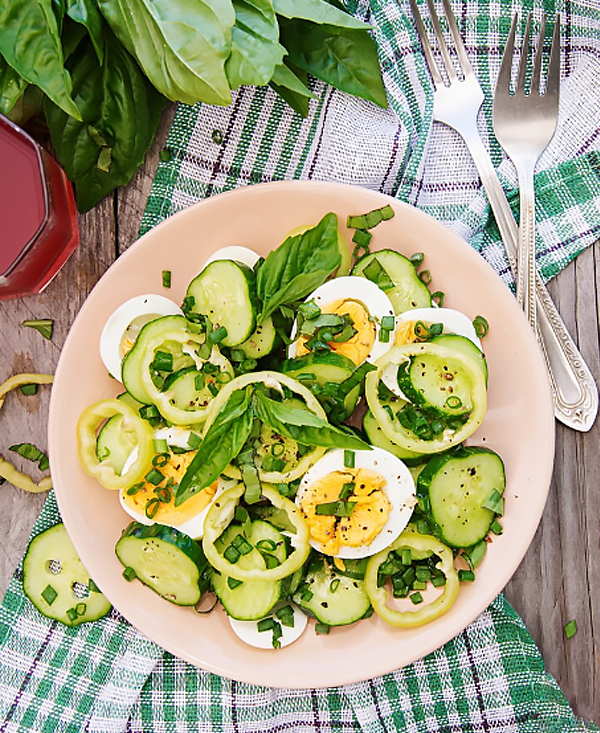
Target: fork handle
(526, 267)
(572, 384)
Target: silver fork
(524, 124)
(457, 105)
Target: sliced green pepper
(380, 595)
(87, 427)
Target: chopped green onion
(419, 585)
(233, 583)
(494, 502)
(362, 238)
(321, 628)
(199, 382)
(425, 277)
(438, 297)
(423, 573)
(49, 595)
(417, 258)
(277, 449)
(286, 615)
(481, 326)
(29, 389)
(163, 361)
(205, 351)
(148, 412)
(438, 580)
(474, 555)
(72, 614)
(266, 624)
(349, 459)
(154, 476)
(270, 560)
(80, 609)
(347, 490)
(253, 491)
(231, 554)
(161, 446)
(241, 544)
(335, 508)
(93, 587)
(384, 336)
(133, 490)
(163, 494)
(309, 310)
(570, 629)
(152, 507)
(267, 545)
(161, 460)
(213, 389)
(237, 355)
(454, 402)
(42, 325)
(166, 278)
(376, 273)
(496, 528)
(388, 323)
(129, 574)
(360, 251)
(217, 335)
(466, 576)
(416, 598)
(334, 585)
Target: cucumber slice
(315, 371)
(261, 342)
(332, 598)
(377, 438)
(406, 289)
(166, 560)
(250, 600)
(441, 383)
(459, 485)
(465, 346)
(114, 445)
(132, 361)
(56, 582)
(225, 292)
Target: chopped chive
(49, 595)
(496, 528)
(467, 576)
(406, 556)
(321, 628)
(349, 459)
(29, 389)
(80, 609)
(419, 585)
(388, 323)
(334, 585)
(133, 490)
(417, 258)
(152, 507)
(241, 544)
(161, 460)
(149, 412)
(416, 598)
(199, 382)
(231, 554)
(362, 238)
(154, 476)
(266, 545)
(307, 595)
(166, 278)
(93, 587)
(41, 325)
(286, 615)
(423, 573)
(163, 361)
(72, 614)
(234, 583)
(237, 355)
(454, 402)
(270, 560)
(438, 580)
(438, 297)
(217, 335)
(129, 574)
(266, 624)
(425, 277)
(384, 336)
(161, 446)
(570, 629)
(213, 389)
(481, 326)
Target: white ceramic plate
(519, 425)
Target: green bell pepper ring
(380, 596)
(218, 519)
(87, 427)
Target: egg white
(399, 489)
(453, 321)
(351, 287)
(150, 305)
(234, 252)
(248, 631)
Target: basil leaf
(87, 14)
(119, 107)
(30, 43)
(290, 84)
(345, 58)
(298, 266)
(12, 86)
(31, 453)
(182, 46)
(224, 439)
(303, 425)
(255, 49)
(318, 11)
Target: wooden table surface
(559, 578)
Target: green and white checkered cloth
(105, 676)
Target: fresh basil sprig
(298, 266)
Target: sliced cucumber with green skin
(261, 342)
(377, 438)
(465, 346)
(315, 371)
(332, 598)
(406, 291)
(132, 362)
(56, 582)
(225, 292)
(250, 600)
(114, 445)
(166, 560)
(459, 484)
(185, 392)
(130, 400)
(443, 384)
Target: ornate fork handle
(573, 387)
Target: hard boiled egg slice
(140, 502)
(356, 512)
(248, 631)
(245, 255)
(365, 304)
(123, 326)
(453, 322)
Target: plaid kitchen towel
(106, 676)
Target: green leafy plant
(100, 71)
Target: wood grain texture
(558, 578)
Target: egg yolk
(167, 512)
(369, 515)
(405, 333)
(359, 346)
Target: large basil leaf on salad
(120, 111)
(223, 441)
(182, 45)
(317, 11)
(298, 266)
(255, 49)
(12, 86)
(302, 425)
(345, 58)
(30, 43)
(87, 14)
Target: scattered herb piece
(166, 278)
(44, 326)
(570, 629)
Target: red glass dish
(38, 216)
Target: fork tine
(553, 81)
(539, 52)
(458, 41)
(505, 72)
(433, 69)
(437, 28)
(524, 55)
